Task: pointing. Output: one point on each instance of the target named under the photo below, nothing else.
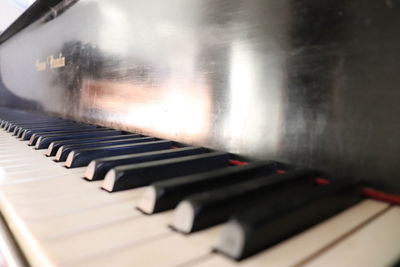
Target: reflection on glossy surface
(304, 82)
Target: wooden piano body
(307, 83)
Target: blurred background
(10, 10)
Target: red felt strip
(321, 181)
(280, 171)
(379, 195)
(237, 162)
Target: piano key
(166, 195)
(50, 210)
(9, 143)
(45, 140)
(98, 168)
(18, 160)
(27, 134)
(272, 220)
(26, 167)
(12, 149)
(141, 174)
(117, 234)
(81, 157)
(31, 165)
(295, 250)
(30, 119)
(216, 206)
(35, 203)
(170, 250)
(34, 207)
(19, 130)
(375, 244)
(54, 146)
(40, 174)
(19, 154)
(81, 201)
(85, 220)
(9, 153)
(10, 252)
(11, 126)
(26, 164)
(39, 136)
(64, 150)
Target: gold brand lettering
(41, 65)
(51, 62)
(57, 62)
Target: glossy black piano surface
(311, 83)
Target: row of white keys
(113, 225)
(84, 224)
(54, 215)
(27, 163)
(174, 250)
(96, 232)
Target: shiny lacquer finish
(312, 83)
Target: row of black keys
(268, 201)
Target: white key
(376, 244)
(310, 242)
(99, 241)
(44, 211)
(40, 175)
(48, 198)
(172, 249)
(85, 220)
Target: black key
(98, 168)
(167, 194)
(27, 134)
(216, 206)
(3, 123)
(6, 124)
(33, 141)
(45, 125)
(18, 130)
(64, 150)
(54, 146)
(83, 157)
(10, 126)
(273, 220)
(141, 174)
(35, 136)
(45, 140)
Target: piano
(196, 133)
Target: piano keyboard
(167, 204)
